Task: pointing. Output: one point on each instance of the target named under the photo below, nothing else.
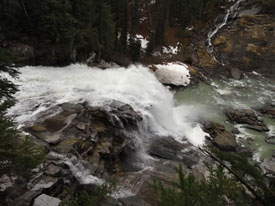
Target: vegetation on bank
(18, 154)
(101, 26)
(234, 181)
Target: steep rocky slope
(248, 43)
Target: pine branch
(241, 180)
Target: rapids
(165, 113)
(43, 87)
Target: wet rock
(45, 200)
(259, 128)
(247, 117)
(225, 141)
(169, 149)
(102, 136)
(55, 123)
(236, 73)
(235, 131)
(269, 111)
(268, 166)
(38, 128)
(81, 126)
(220, 137)
(245, 151)
(53, 170)
(270, 140)
(5, 182)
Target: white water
(44, 87)
(211, 34)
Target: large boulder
(99, 135)
(220, 137)
(246, 117)
(169, 149)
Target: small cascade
(212, 33)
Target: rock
(270, 140)
(269, 166)
(269, 111)
(101, 136)
(55, 123)
(5, 182)
(247, 43)
(225, 141)
(249, 11)
(259, 128)
(153, 68)
(169, 149)
(220, 137)
(53, 170)
(236, 73)
(245, 151)
(37, 128)
(247, 117)
(235, 131)
(81, 126)
(45, 200)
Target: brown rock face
(248, 43)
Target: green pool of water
(210, 101)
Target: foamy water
(44, 87)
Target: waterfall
(44, 87)
(212, 33)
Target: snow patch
(173, 73)
(144, 42)
(171, 49)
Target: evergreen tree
(57, 22)
(106, 27)
(17, 156)
(160, 22)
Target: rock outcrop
(248, 118)
(248, 43)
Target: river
(178, 114)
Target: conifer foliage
(18, 154)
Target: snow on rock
(175, 73)
(144, 42)
(171, 49)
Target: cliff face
(249, 43)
